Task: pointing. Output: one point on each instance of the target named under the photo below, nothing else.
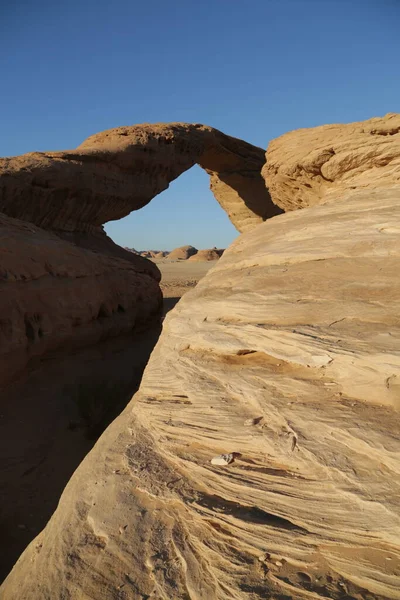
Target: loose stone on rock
(264, 557)
(223, 459)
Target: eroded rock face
(311, 166)
(120, 170)
(73, 193)
(287, 356)
(285, 361)
(57, 295)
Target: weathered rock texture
(120, 170)
(55, 295)
(73, 193)
(297, 330)
(211, 254)
(311, 166)
(287, 355)
(182, 253)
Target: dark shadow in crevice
(169, 304)
(51, 418)
(249, 514)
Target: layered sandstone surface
(120, 170)
(287, 356)
(286, 359)
(306, 167)
(72, 194)
(55, 295)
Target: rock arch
(120, 170)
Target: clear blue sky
(252, 68)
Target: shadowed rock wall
(56, 295)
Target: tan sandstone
(311, 166)
(72, 194)
(55, 295)
(120, 170)
(285, 359)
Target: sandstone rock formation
(73, 193)
(182, 253)
(211, 254)
(120, 170)
(287, 356)
(310, 166)
(154, 253)
(56, 295)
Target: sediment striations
(120, 170)
(56, 295)
(306, 167)
(287, 357)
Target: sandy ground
(178, 277)
(43, 437)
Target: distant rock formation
(259, 458)
(182, 253)
(211, 254)
(153, 253)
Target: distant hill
(182, 253)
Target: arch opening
(185, 213)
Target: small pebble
(278, 563)
(264, 557)
(222, 460)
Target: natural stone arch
(120, 170)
